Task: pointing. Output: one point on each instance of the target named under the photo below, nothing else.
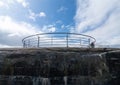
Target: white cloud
(58, 22)
(23, 2)
(49, 28)
(52, 29)
(7, 24)
(63, 26)
(12, 32)
(33, 15)
(42, 14)
(1, 4)
(7, 3)
(99, 18)
(62, 9)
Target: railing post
(80, 41)
(38, 42)
(51, 41)
(67, 40)
(23, 44)
(28, 43)
(89, 42)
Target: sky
(21, 18)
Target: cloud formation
(100, 19)
(23, 2)
(62, 9)
(49, 28)
(42, 14)
(7, 3)
(33, 15)
(12, 32)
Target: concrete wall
(80, 66)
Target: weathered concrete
(77, 66)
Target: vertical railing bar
(89, 42)
(67, 40)
(80, 41)
(24, 44)
(38, 42)
(51, 41)
(29, 43)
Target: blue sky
(98, 18)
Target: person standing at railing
(92, 45)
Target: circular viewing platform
(58, 40)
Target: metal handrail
(57, 39)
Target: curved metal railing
(57, 40)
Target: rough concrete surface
(60, 66)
